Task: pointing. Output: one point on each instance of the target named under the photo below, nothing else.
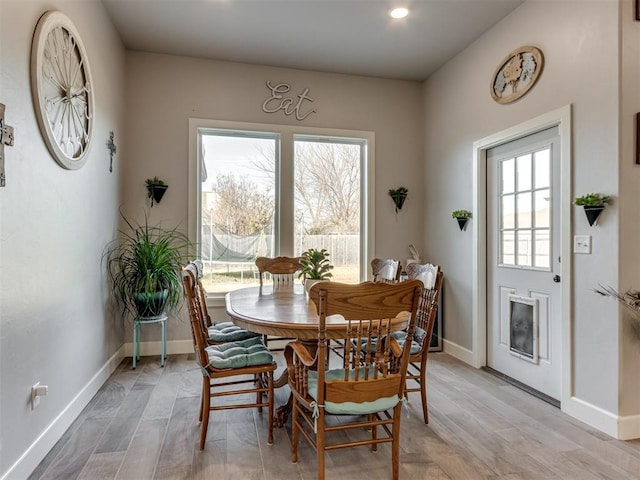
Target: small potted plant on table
(593, 204)
(316, 267)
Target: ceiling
(341, 36)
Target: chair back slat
(282, 270)
(362, 391)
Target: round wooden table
(287, 313)
(282, 312)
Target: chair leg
(202, 395)
(270, 408)
(423, 388)
(374, 433)
(205, 411)
(258, 381)
(395, 445)
(294, 431)
(320, 444)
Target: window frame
(284, 182)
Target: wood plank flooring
(143, 424)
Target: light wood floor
(143, 424)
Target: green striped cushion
(244, 353)
(228, 332)
(399, 336)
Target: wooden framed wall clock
(62, 90)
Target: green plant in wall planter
(462, 216)
(316, 267)
(144, 268)
(399, 195)
(593, 204)
(155, 189)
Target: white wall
(165, 91)
(54, 223)
(580, 42)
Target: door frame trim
(562, 119)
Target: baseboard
(629, 427)
(32, 457)
(463, 354)
(597, 417)
(147, 349)
(619, 427)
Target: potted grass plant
(144, 268)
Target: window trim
(284, 178)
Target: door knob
(556, 278)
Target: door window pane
(508, 211)
(508, 176)
(542, 208)
(523, 202)
(523, 167)
(525, 248)
(542, 168)
(508, 247)
(542, 248)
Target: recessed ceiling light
(399, 12)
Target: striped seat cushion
(244, 353)
(228, 332)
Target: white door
(523, 263)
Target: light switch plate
(582, 244)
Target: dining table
(287, 313)
(281, 312)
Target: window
(267, 190)
(525, 233)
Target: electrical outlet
(582, 244)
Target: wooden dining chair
(431, 277)
(220, 332)
(231, 368)
(282, 270)
(283, 273)
(364, 391)
(386, 270)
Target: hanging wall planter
(462, 217)
(592, 214)
(593, 204)
(155, 189)
(398, 195)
